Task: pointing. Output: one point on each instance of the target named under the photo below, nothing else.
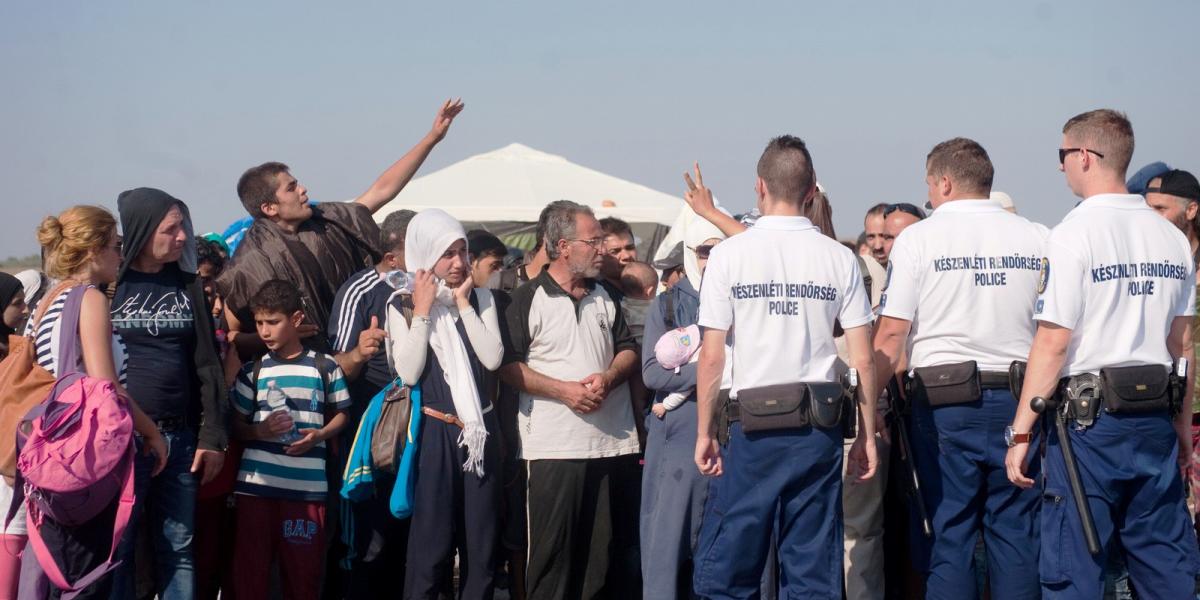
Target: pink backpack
(74, 454)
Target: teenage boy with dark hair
(291, 400)
(487, 254)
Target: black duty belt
(993, 380)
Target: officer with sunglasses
(1116, 299)
(780, 285)
(969, 259)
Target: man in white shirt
(970, 258)
(780, 285)
(1116, 292)
(570, 352)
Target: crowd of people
(763, 412)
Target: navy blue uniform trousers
(789, 482)
(1130, 474)
(959, 452)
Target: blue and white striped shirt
(266, 469)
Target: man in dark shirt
(316, 247)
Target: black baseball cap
(1178, 183)
(673, 260)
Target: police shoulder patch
(1044, 279)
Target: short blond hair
(70, 240)
(1106, 131)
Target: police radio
(849, 402)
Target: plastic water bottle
(276, 401)
(400, 280)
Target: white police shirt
(967, 278)
(780, 285)
(1116, 274)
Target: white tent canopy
(514, 183)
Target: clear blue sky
(100, 97)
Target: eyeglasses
(595, 243)
(903, 207)
(1063, 152)
(702, 251)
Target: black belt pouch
(1139, 389)
(825, 402)
(773, 407)
(945, 385)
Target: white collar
(966, 205)
(1102, 201)
(780, 223)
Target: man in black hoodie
(175, 375)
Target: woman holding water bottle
(451, 348)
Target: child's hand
(308, 439)
(275, 425)
(659, 410)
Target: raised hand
(424, 292)
(445, 116)
(371, 339)
(698, 197)
(462, 293)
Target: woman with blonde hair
(81, 248)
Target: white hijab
(430, 233)
(695, 231)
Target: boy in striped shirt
(281, 484)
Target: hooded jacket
(141, 211)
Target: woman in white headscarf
(673, 490)
(451, 348)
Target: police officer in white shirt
(1114, 312)
(960, 293)
(780, 286)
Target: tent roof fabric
(515, 182)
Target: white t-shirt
(967, 278)
(1116, 274)
(780, 286)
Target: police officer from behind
(1114, 308)
(779, 287)
(969, 258)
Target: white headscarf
(429, 234)
(695, 231)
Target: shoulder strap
(868, 281)
(46, 301)
(254, 373)
(70, 357)
(325, 366)
(669, 310)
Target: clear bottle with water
(276, 401)
(401, 281)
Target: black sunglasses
(1063, 152)
(903, 207)
(702, 251)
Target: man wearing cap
(969, 258)
(1114, 311)
(671, 267)
(1176, 196)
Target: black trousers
(583, 520)
(453, 510)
